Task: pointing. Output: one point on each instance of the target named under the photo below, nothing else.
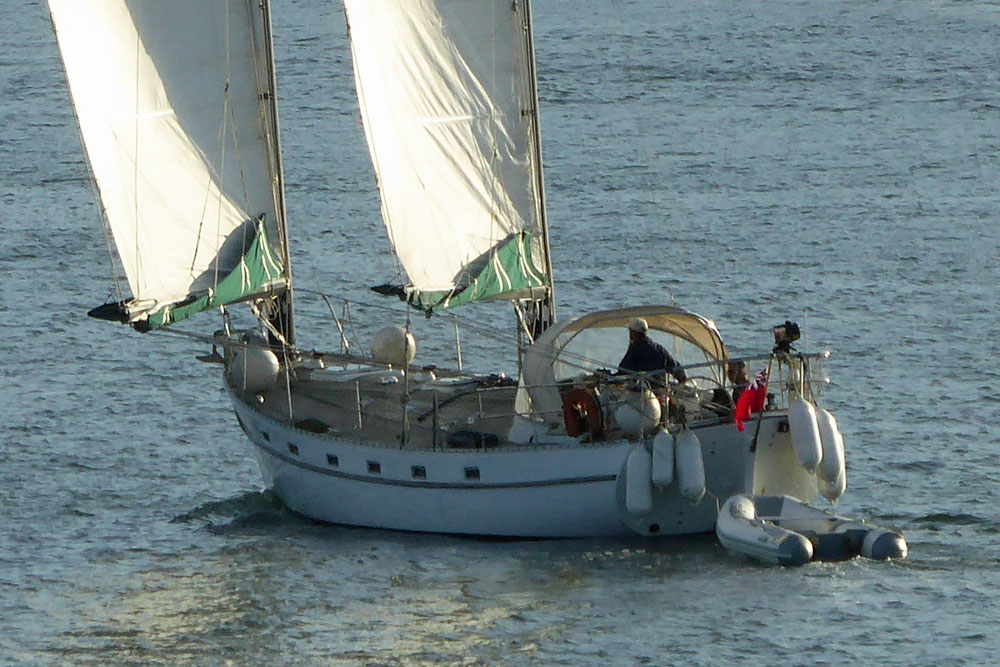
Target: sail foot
(259, 274)
(507, 272)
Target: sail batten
(446, 92)
(176, 110)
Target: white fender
(805, 434)
(835, 489)
(639, 413)
(831, 466)
(638, 486)
(663, 458)
(742, 508)
(394, 345)
(690, 466)
(883, 544)
(254, 369)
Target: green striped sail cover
(258, 268)
(509, 269)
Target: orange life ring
(582, 413)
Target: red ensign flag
(751, 400)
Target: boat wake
(960, 519)
(247, 512)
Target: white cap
(639, 325)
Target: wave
(960, 519)
(248, 511)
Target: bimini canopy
(599, 340)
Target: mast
(542, 314)
(283, 319)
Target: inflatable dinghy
(780, 530)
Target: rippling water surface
(836, 163)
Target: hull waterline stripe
(591, 479)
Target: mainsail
(447, 96)
(176, 107)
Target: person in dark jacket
(645, 355)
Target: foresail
(176, 110)
(446, 92)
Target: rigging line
(502, 201)
(568, 359)
(501, 334)
(288, 381)
(291, 351)
(221, 148)
(496, 333)
(491, 162)
(502, 205)
(261, 103)
(232, 114)
(220, 154)
(105, 225)
(262, 317)
(529, 83)
(230, 342)
(222, 176)
(350, 322)
(269, 115)
(363, 104)
(102, 212)
(205, 338)
(406, 382)
(545, 308)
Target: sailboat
(177, 108)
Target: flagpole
(767, 382)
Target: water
(836, 163)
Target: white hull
(558, 490)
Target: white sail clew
(175, 105)
(447, 99)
